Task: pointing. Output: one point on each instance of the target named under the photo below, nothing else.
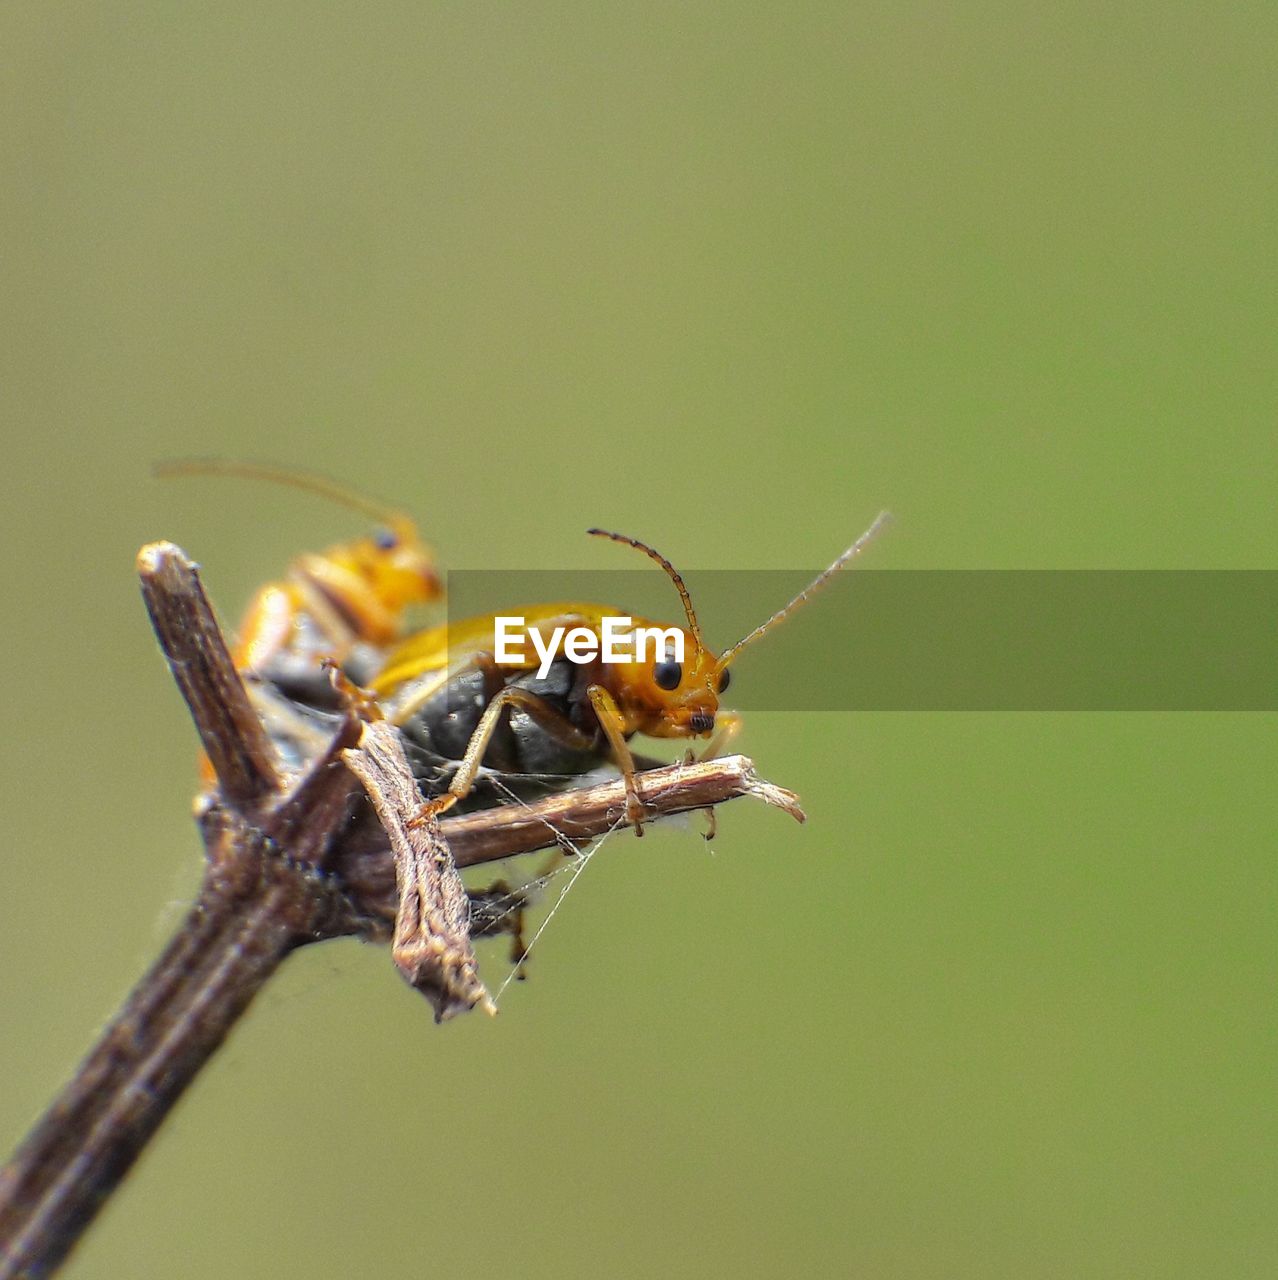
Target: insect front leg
(499, 909)
(550, 719)
(613, 725)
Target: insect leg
(537, 707)
(266, 628)
(610, 720)
(422, 693)
(498, 909)
(730, 724)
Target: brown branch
(231, 733)
(232, 940)
(573, 817)
(286, 866)
(582, 814)
(261, 897)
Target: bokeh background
(731, 278)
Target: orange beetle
(328, 601)
(353, 594)
(457, 694)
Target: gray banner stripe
(1081, 640)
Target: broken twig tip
(156, 557)
(777, 797)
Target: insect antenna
(668, 567)
(294, 478)
(880, 522)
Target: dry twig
(286, 866)
(431, 946)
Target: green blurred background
(730, 278)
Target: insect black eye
(667, 675)
(724, 677)
(385, 540)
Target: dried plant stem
(261, 896)
(431, 945)
(231, 941)
(285, 867)
(582, 814)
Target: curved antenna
(880, 522)
(294, 478)
(668, 567)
